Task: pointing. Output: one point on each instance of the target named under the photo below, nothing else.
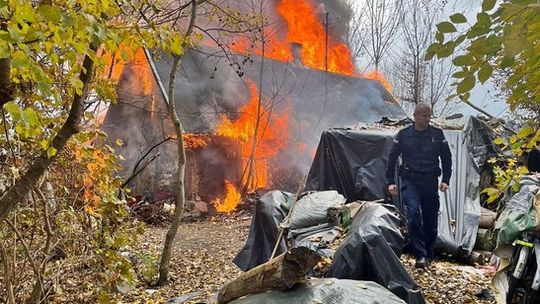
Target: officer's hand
(443, 187)
(392, 188)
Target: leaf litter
(201, 264)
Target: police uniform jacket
(420, 152)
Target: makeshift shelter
(209, 93)
(353, 162)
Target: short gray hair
(421, 105)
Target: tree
(171, 233)
(231, 20)
(383, 18)
(417, 80)
(503, 42)
(51, 68)
(38, 46)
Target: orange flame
(144, 79)
(377, 75)
(232, 198)
(272, 135)
(195, 141)
(306, 29)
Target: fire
(272, 136)
(232, 198)
(137, 60)
(195, 141)
(377, 75)
(304, 27)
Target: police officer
(420, 146)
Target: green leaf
(488, 5)
(485, 72)
(447, 49)
(506, 62)
(432, 50)
(458, 18)
(464, 60)
(483, 20)
(466, 84)
(50, 13)
(460, 39)
(30, 117)
(18, 59)
(51, 151)
(446, 27)
(460, 74)
(44, 144)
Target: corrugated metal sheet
(460, 209)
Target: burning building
(250, 120)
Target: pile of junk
(343, 213)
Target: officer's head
(422, 115)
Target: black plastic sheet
(263, 232)
(371, 252)
(353, 162)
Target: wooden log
(281, 272)
(478, 257)
(487, 219)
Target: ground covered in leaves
(202, 263)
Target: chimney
(296, 51)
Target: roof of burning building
(209, 86)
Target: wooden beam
(280, 273)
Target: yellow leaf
(498, 141)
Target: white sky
(482, 95)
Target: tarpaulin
(352, 162)
(311, 209)
(263, 232)
(519, 214)
(327, 291)
(371, 252)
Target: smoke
(340, 14)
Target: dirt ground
(202, 262)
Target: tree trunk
(251, 161)
(280, 273)
(18, 191)
(181, 199)
(6, 87)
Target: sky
(483, 96)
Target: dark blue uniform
(420, 152)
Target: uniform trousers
(421, 199)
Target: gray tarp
(327, 291)
(370, 251)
